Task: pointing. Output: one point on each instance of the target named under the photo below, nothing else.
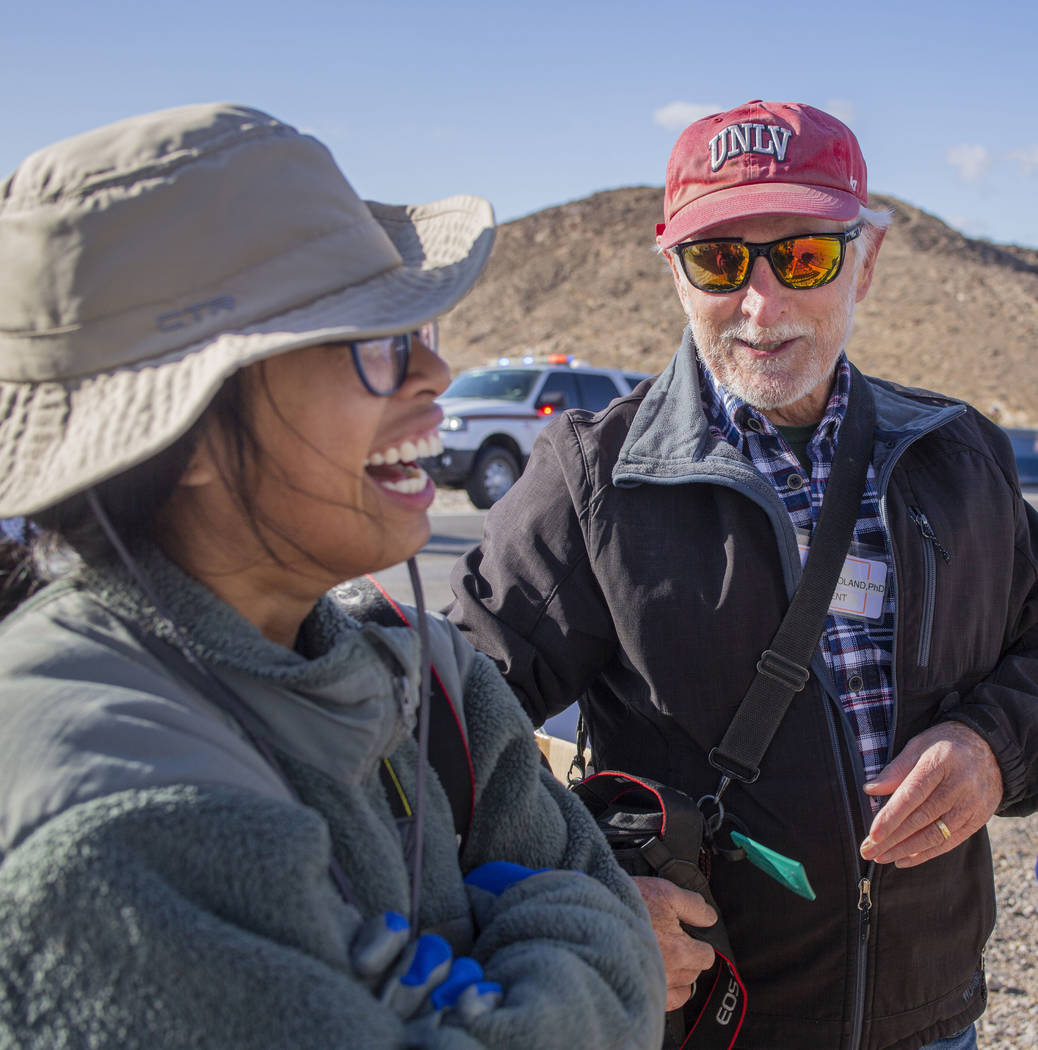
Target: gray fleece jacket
(160, 886)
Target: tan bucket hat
(144, 262)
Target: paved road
(452, 535)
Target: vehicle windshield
(499, 384)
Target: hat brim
(60, 438)
(752, 200)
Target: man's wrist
(990, 729)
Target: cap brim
(753, 200)
(59, 438)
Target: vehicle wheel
(493, 474)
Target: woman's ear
(202, 468)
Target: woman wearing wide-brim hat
(217, 371)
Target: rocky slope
(1011, 1019)
(946, 312)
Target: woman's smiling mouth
(394, 467)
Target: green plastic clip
(784, 870)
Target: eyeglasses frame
(758, 249)
(404, 354)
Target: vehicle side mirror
(555, 401)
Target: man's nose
(765, 299)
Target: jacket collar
(669, 438)
(669, 441)
(352, 698)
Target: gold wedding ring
(943, 829)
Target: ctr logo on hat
(763, 158)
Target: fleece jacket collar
(325, 705)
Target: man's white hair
(875, 221)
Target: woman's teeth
(394, 468)
(415, 479)
(406, 452)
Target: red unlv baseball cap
(763, 158)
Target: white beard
(771, 383)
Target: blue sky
(538, 103)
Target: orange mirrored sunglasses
(807, 260)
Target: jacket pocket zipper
(931, 547)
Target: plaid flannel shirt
(858, 653)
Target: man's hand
(947, 773)
(684, 957)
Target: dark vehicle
(1025, 448)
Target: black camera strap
(784, 668)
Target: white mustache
(746, 332)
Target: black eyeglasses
(807, 260)
(382, 363)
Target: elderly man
(649, 552)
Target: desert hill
(945, 312)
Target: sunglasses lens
(807, 262)
(715, 266)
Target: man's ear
(680, 284)
(868, 267)
(674, 269)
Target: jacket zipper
(865, 884)
(864, 933)
(931, 544)
(865, 902)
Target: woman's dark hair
(131, 500)
(17, 581)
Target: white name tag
(862, 585)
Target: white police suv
(492, 415)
